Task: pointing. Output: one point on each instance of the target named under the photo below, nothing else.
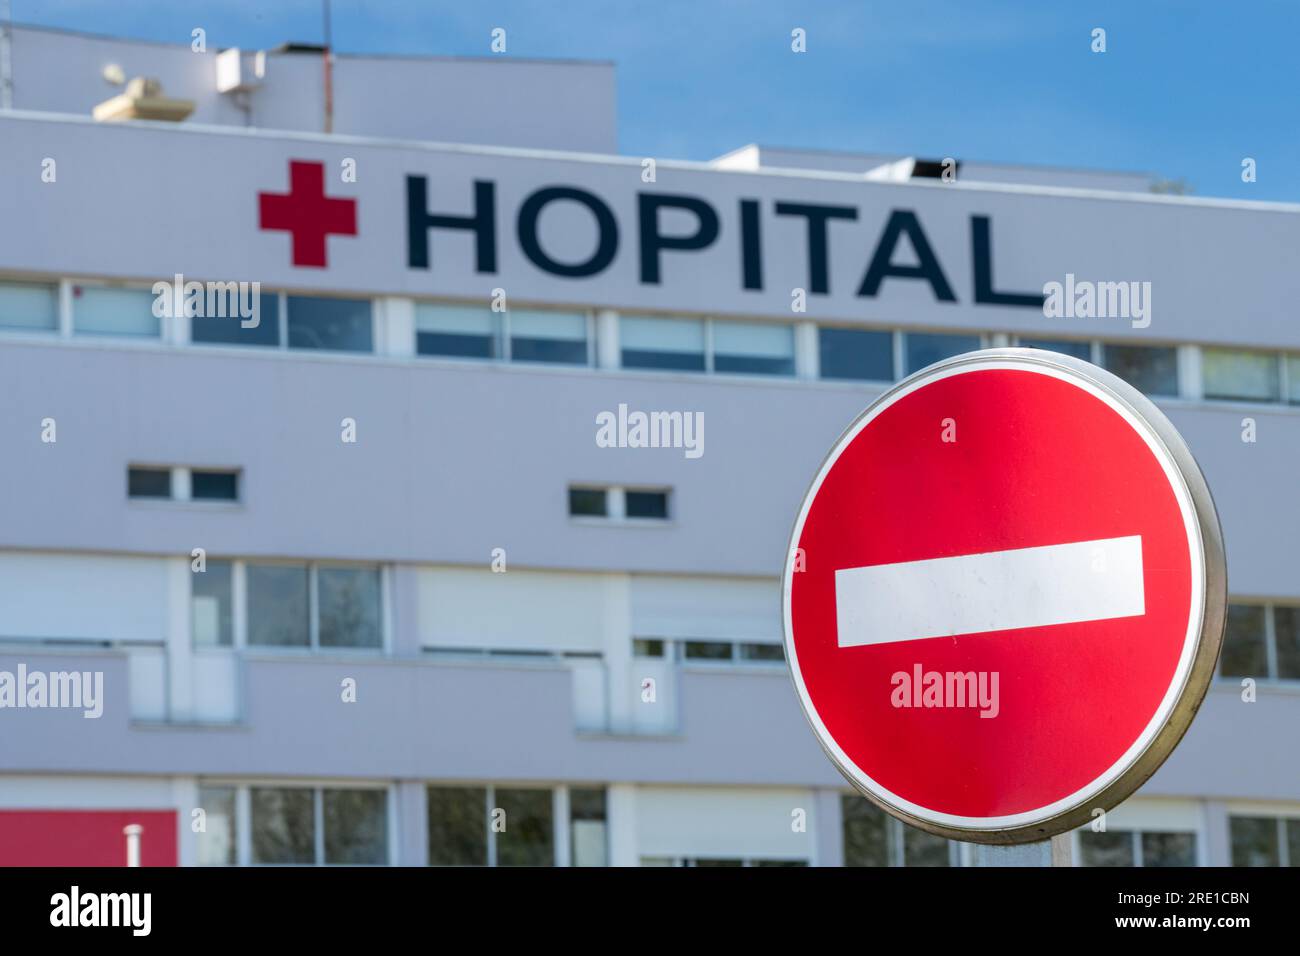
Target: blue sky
(1185, 90)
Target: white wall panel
(513, 610)
(722, 822)
(82, 596)
(731, 609)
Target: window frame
(62, 316)
(1272, 677)
(68, 315)
(240, 609)
(243, 818)
(616, 505)
(561, 815)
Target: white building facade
(363, 582)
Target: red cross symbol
(307, 213)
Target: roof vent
(143, 99)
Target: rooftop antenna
(329, 69)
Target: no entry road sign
(1005, 595)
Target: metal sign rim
(1207, 554)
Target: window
(29, 306)
(709, 650)
(687, 861)
(107, 310)
(278, 602)
(214, 485)
(1080, 350)
(458, 832)
(347, 602)
(588, 502)
(1293, 379)
(1240, 374)
(352, 825)
(457, 331)
(230, 330)
(510, 826)
(349, 609)
(283, 825)
(1111, 848)
(1168, 849)
(647, 504)
(356, 826)
(211, 604)
(1137, 848)
(1153, 370)
(1286, 641)
(1245, 643)
(662, 343)
(338, 325)
(554, 337)
(217, 839)
(527, 837)
(647, 647)
(1261, 641)
(873, 838)
(866, 833)
(762, 652)
(923, 349)
(618, 503)
(588, 836)
(144, 482)
(753, 349)
(183, 484)
(1264, 841)
(856, 354)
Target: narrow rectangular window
(1241, 374)
(210, 605)
(753, 348)
(335, 325)
(1286, 635)
(472, 332)
(29, 306)
(1152, 369)
(662, 343)
(1245, 643)
(217, 839)
(144, 482)
(588, 830)
(647, 504)
(925, 348)
(263, 330)
(106, 310)
(588, 502)
(709, 650)
(551, 337)
(214, 485)
(856, 354)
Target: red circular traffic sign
(1004, 596)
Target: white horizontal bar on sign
(997, 591)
